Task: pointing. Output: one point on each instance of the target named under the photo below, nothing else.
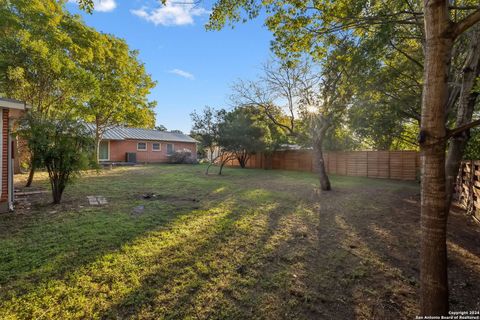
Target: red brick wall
(4, 160)
(118, 149)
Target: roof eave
(14, 104)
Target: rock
(138, 210)
(96, 200)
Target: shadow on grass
(268, 249)
(119, 271)
(266, 265)
(43, 246)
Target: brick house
(149, 146)
(10, 110)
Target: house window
(142, 146)
(170, 148)
(156, 146)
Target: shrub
(181, 157)
(62, 146)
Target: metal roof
(125, 133)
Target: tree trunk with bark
(30, 175)
(433, 249)
(318, 139)
(466, 105)
(98, 139)
(242, 158)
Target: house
(149, 146)
(10, 110)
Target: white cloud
(105, 5)
(184, 74)
(171, 14)
(102, 5)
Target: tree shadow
(45, 246)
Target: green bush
(181, 157)
(62, 146)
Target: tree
(39, 58)
(121, 89)
(313, 27)
(276, 93)
(206, 129)
(472, 149)
(239, 136)
(440, 34)
(328, 98)
(464, 95)
(62, 146)
(161, 128)
(86, 5)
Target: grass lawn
(250, 244)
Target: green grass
(249, 244)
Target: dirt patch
(168, 198)
(178, 202)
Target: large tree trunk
(318, 155)
(98, 139)
(242, 158)
(433, 250)
(466, 105)
(321, 171)
(221, 167)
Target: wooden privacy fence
(402, 165)
(467, 189)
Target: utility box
(131, 157)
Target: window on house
(156, 146)
(170, 148)
(142, 146)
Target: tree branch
(454, 132)
(409, 57)
(461, 26)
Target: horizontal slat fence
(467, 189)
(402, 165)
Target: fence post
(336, 162)
(367, 163)
(389, 154)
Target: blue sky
(193, 67)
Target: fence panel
(402, 165)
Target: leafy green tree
(161, 128)
(120, 96)
(380, 126)
(274, 137)
(62, 146)
(238, 135)
(40, 51)
(206, 130)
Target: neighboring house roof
(13, 104)
(125, 133)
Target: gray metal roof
(125, 133)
